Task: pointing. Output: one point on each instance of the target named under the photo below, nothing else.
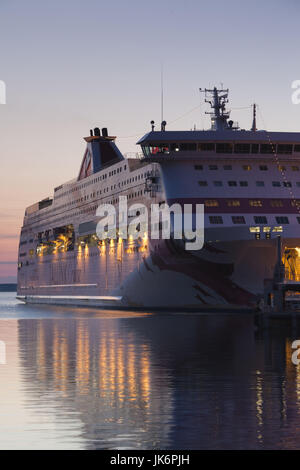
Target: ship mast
(254, 128)
(217, 98)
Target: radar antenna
(217, 98)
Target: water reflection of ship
(104, 376)
(136, 383)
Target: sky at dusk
(73, 65)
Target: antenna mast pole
(162, 91)
(254, 128)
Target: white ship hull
(248, 182)
(226, 275)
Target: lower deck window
(276, 203)
(233, 203)
(211, 203)
(238, 219)
(215, 219)
(255, 203)
(260, 219)
(282, 220)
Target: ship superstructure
(247, 180)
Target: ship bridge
(176, 143)
(224, 136)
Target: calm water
(110, 380)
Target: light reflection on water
(118, 380)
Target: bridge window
(260, 183)
(202, 183)
(247, 167)
(218, 183)
(263, 167)
(287, 184)
(254, 148)
(242, 148)
(198, 167)
(266, 148)
(188, 147)
(224, 147)
(213, 167)
(158, 148)
(232, 183)
(285, 148)
(174, 147)
(244, 183)
(146, 150)
(227, 167)
(206, 147)
(297, 148)
(276, 184)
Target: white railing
(137, 155)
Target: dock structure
(281, 296)
(276, 289)
(275, 294)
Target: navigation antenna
(217, 98)
(162, 91)
(254, 128)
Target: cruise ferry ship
(247, 180)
